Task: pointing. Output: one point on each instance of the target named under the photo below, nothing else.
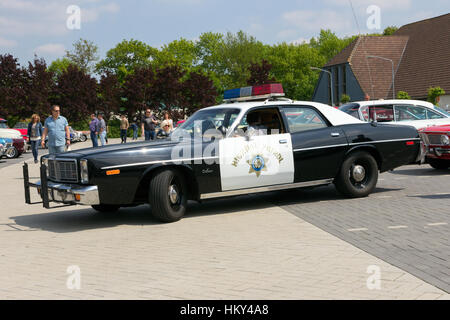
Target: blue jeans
(123, 135)
(103, 138)
(34, 148)
(56, 149)
(135, 134)
(94, 140)
(149, 134)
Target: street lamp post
(331, 82)
(393, 75)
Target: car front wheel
(168, 195)
(358, 175)
(83, 138)
(12, 153)
(439, 164)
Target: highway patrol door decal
(261, 161)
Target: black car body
(214, 155)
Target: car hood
(444, 128)
(10, 133)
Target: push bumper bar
(67, 194)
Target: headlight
(445, 140)
(84, 174)
(45, 161)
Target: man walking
(101, 128)
(148, 125)
(56, 128)
(124, 125)
(93, 129)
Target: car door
(252, 161)
(319, 148)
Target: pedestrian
(101, 129)
(148, 125)
(167, 123)
(93, 125)
(135, 130)
(56, 128)
(124, 125)
(34, 133)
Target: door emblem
(257, 165)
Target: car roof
(393, 101)
(335, 116)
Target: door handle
(335, 134)
(284, 141)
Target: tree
(59, 66)
(434, 94)
(198, 92)
(260, 73)
(329, 45)
(109, 94)
(138, 90)
(179, 52)
(38, 87)
(167, 89)
(389, 31)
(76, 94)
(125, 57)
(12, 91)
(84, 55)
(345, 98)
(403, 95)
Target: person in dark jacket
(35, 135)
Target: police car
(255, 141)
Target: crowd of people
(56, 130)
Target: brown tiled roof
(374, 75)
(426, 61)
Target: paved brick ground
(239, 248)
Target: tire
(164, 207)
(105, 208)
(358, 176)
(83, 138)
(438, 164)
(13, 153)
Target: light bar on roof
(254, 92)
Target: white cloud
(309, 20)
(5, 43)
(52, 49)
(300, 41)
(383, 4)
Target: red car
(22, 127)
(437, 140)
(19, 143)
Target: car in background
(22, 127)
(16, 139)
(77, 136)
(419, 114)
(437, 141)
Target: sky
(48, 28)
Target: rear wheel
(83, 138)
(104, 208)
(358, 175)
(168, 195)
(12, 153)
(439, 164)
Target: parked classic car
(264, 142)
(437, 140)
(18, 142)
(419, 114)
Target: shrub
(403, 95)
(434, 93)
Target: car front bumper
(70, 194)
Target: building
(418, 54)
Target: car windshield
(3, 125)
(443, 111)
(209, 121)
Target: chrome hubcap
(173, 194)
(358, 173)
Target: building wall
(352, 87)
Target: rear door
(318, 147)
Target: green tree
(179, 52)
(345, 98)
(389, 31)
(59, 66)
(403, 95)
(84, 55)
(329, 44)
(434, 93)
(125, 57)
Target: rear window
(351, 109)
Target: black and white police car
(255, 141)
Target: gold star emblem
(257, 165)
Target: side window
(381, 113)
(410, 113)
(433, 114)
(261, 122)
(303, 119)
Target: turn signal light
(410, 143)
(112, 172)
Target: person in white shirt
(167, 123)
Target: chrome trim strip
(156, 162)
(266, 189)
(88, 194)
(323, 147)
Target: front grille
(434, 139)
(63, 170)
